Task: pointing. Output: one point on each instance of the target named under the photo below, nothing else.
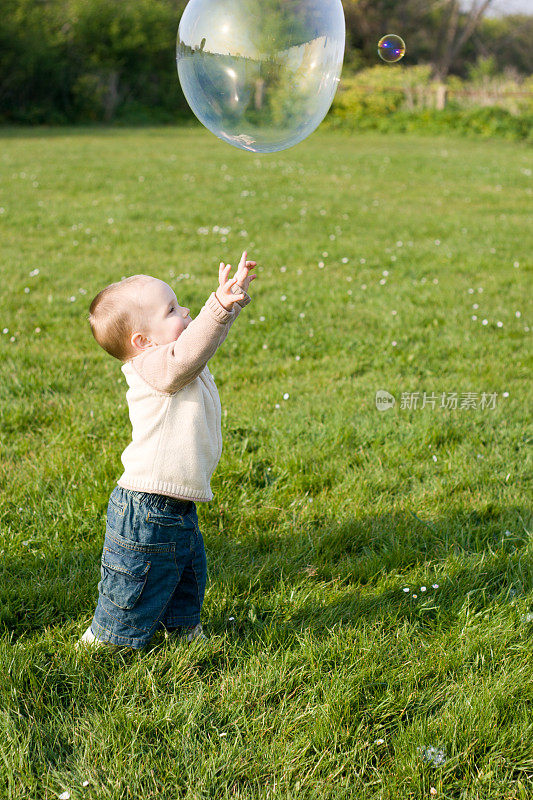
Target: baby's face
(166, 319)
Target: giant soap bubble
(261, 74)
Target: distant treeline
(64, 61)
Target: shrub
(404, 99)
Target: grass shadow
(363, 562)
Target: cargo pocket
(123, 578)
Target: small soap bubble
(391, 48)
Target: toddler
(153, 566)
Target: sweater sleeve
(169, 367)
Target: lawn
(370, 584)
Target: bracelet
(236, 289)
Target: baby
(153, 566)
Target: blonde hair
(114, 314)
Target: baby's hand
(243, 277)
(224, 293)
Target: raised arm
(170, 367)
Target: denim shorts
(153, 568)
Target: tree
(435, 31)
(368, 20)
(456, 29)
(507, 39)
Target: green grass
(331, 677)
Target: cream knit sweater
(175, 410)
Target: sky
(502, 7)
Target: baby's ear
(140, 342)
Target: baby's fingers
(223, 272)
(227, 283)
